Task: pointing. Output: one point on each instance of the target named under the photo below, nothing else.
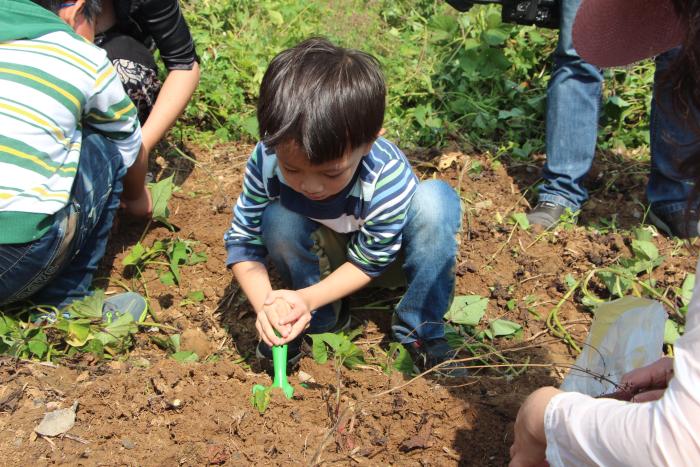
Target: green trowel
(279, 363)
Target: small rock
(128, 444)
(305, 377)
(195, 340)
(53, 405)
(57, 422)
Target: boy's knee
(436, 203)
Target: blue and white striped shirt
(373, 207)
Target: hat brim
(610, 33)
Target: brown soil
(148, 409)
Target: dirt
(148, 409)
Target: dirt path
(150, 410)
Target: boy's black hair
(325, 98)
(90, 9)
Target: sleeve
(164, 22)
(582, 430)
(376, 244)
(109, 111)
(243, 239)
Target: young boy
(321, 166)
(70, 144)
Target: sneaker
(546, 214)
(428, 354)
(676, 224)
(122, 304)
(294, 348)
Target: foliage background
(465, 77)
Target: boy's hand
(299, 315)
(648, 383)
(141, 206)
(269, 320)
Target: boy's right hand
(268, 320)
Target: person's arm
(164, 22)
(581, 430)
(172, 100)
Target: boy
(321, 166)
(68, 133)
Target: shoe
(294, 348)
(546, 214)
(112, 307)
(430, 353)
(676, 224)
(122, 304)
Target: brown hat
(619, 32)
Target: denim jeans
(58, 268)
(573, 104)
(573, 101)
(429, 249)
(672, 142)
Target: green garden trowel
(279, 363)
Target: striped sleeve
(110, 112)
(243, 239)
(377, 243)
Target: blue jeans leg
(573, 104)
(289, 242)
(672, 142)
(430, 250)
(95, 199)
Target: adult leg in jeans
(672, 142)
(430, 250)
(289, 240)
(573, 102)
(96, 192)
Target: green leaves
(161, 193)
(400, 358)
(176, 252)
(467, 309)
(344, 351)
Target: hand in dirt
(649, 383)
(268, 322)
(530, 444)
(299, 315)
(142, 206)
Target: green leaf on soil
(402, 360)
(467, 309)
(38, 344)
(521, 220)
(645, 249)
(261, 399)
(185, 356)
(89, 307)
(161, 193)
(503, 327)
(135, 255)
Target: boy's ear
(382, 132)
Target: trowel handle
(279, 363)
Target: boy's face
(317, 182)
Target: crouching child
(322, 176)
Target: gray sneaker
(676, 224)
(124, 303)
(546, 214)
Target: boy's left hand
(299, 316)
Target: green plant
(341, 347)
(78, 329)
(169, 254)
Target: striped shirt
(50, 87)
(372, 207)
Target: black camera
(544, 13)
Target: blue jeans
(58, 268)
(428, 251)
(573, 101)
(672, 142)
